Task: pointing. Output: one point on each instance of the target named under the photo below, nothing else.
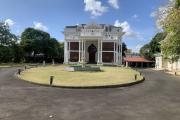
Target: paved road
(158, 98)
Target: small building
(166, 64)
(93, 43)
(158, 61)
(138, 61)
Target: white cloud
(95, 7)
(138, 47)
(9, 22)
(129, 33)
(40, 26)
(135, 16)
(161, 13)
(114, 3)
(153, 14)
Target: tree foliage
(18, 53)
(33, 42)
(150, 49)
(6, 54)
(145, 51)
(8, 41)
(36, 42)
(171, 24)
(6, 37)
(124, 49)
(177, 4)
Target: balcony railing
(91, 32)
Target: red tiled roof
(136, 59)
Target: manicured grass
(4, 66)
(108, 76)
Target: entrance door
(92, 53)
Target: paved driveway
(158, 98)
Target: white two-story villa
(93, 43)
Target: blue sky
(53, 15)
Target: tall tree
(37, 42)
(61, 50)
(145, 51)
(155, 46)
(150, 49)
(52, 49)
(34, 41)
(6, 37)
(6, 54)
(171, 24)
(7, 41)
(18, 53)
(124, 49)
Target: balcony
(91, 33)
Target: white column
(101, 51)
(69, 51)
(82, 56)
(98, 51)
(121, 53)
(65, 52)
(84, 50)
(114, 53)
(79, 51)
(126, 64)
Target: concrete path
(158, 98)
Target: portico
(93, 44)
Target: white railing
(91, 32)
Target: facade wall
(167, 64)
(74, 46)
(108, 57)
(174, 66)
(107, 51)
(88, 43)
(106, 39)
(108, 46)
(74, 56)
(178, 65)
(159, 62)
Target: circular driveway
(157, 98)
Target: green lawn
(4, 66)
(108, 76)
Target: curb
(83, 87)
